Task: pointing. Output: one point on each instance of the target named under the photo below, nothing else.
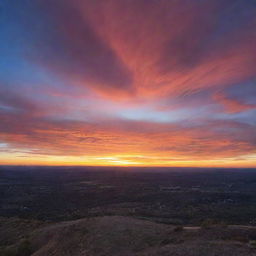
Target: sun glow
(123, 160)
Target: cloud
(134, 78)
(232, 105)
(42, 136)
(174, 47)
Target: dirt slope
(99, 236)
(126, 236)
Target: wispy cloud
(131, 80)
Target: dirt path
(194, 228)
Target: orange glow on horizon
(126, 161)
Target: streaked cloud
(137, 82)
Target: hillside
(116, 235)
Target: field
(182, 196)
(77, 211)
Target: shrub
(8, 252)
(222, 224)
(24, 248)
(207, 223)
(171, 241)
(252, 244)
(178, 228)
(239, 238)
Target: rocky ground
(126, 236)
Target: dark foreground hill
(126, 236)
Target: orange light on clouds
(128, 83)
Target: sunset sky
(128, 82)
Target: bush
(239, 238)
(24, 248)
(178, 228)
(8, 252)
(222, 224)
(252, 244)
(171, 241)
(208, 223)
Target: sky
(128, 82)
